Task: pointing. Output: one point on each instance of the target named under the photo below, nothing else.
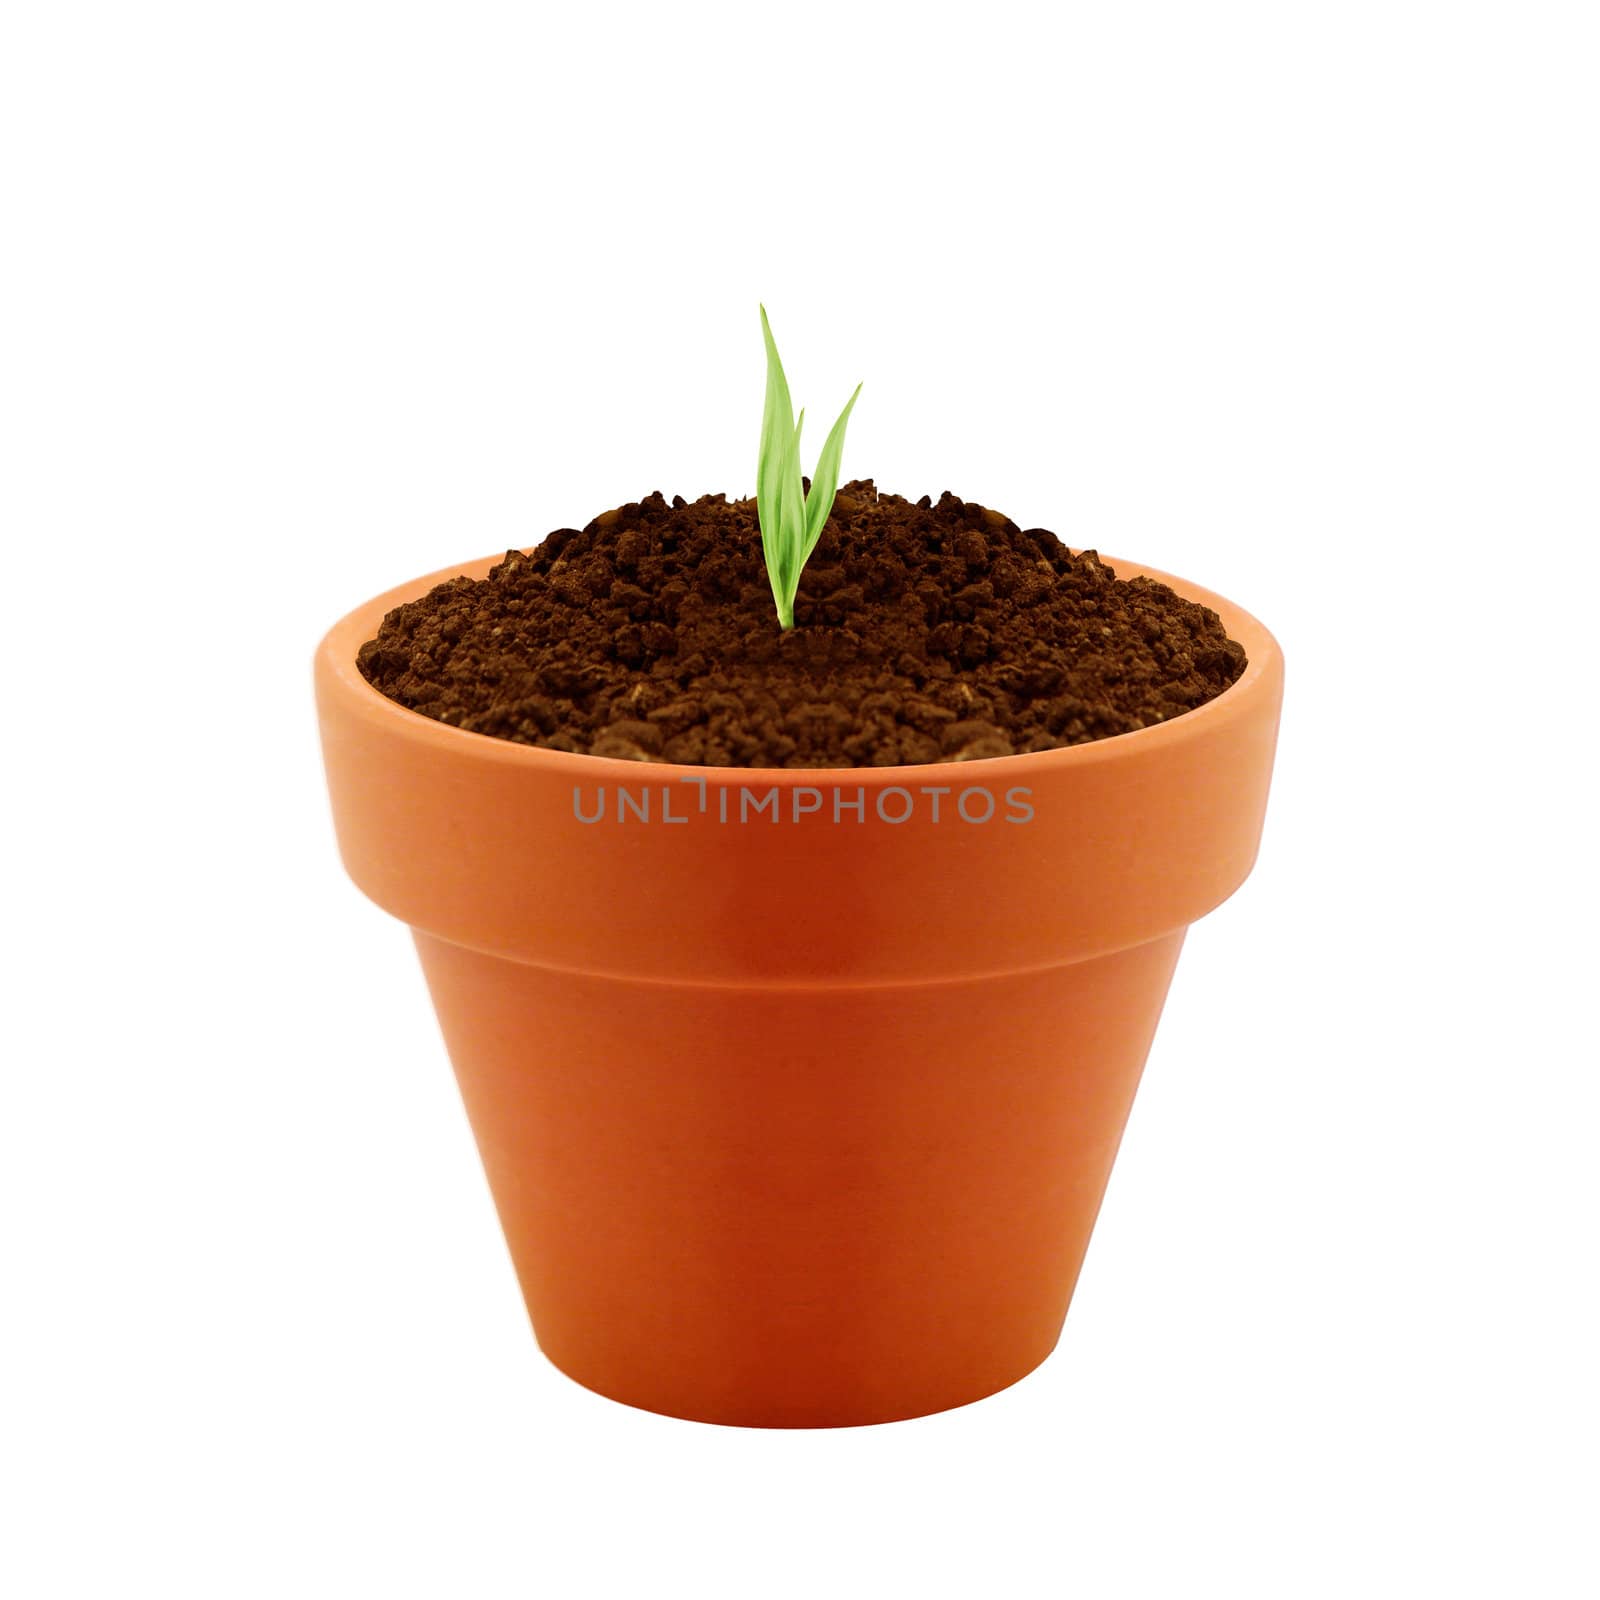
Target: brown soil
(923, 632)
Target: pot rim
(340, 644)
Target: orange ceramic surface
(795, 1113)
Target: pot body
(797, 1091)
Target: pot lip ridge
(336, 672)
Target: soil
(924, 631)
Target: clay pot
(800, 1118)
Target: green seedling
(791, 520)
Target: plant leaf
(791, 524)
(825, 480)
(777, 429)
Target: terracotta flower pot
(797, 1091)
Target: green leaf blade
(825, 480)
(792, 525)
(777, 437)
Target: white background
(303, 300)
